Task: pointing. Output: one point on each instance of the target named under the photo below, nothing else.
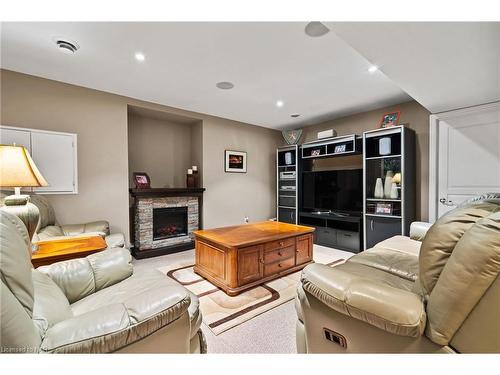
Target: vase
(388, 184)
(379, 189)
(394, 191)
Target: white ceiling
(320, 78)
(444, 65)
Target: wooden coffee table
(68, 248)
(240, 257)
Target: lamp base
(21, 206)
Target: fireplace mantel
(166, 192)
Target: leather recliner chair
(438, 295)
(95, 304)
(49, 229)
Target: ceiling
(321, 78)
(443, 65)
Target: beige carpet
(222, 312)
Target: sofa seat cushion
(142, 294)
(402, 244)
(397, 263)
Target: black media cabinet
(340, 232)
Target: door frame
(434, 121)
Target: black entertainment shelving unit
(341, 231)
(388, 214)
(287, 184)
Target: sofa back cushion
(110, 266)
(18, 334)
(47, 214)
(15, 260)
(441, 239)
(74, 277)
(51, 305)
(471, 269)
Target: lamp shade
(17, 169)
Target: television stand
(333, 229)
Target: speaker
(384, 146)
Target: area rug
(222, 312)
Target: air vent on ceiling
(66, 46)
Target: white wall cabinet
(54, 153)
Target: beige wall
(100, 120)
(233, 196)
(417, 118)
(160, 148)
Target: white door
(466, 156)
(54, 156)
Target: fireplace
(163, 220)
(170, 222)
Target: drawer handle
(261, 260)
(279, 265)
(280, 253)
(281, 243)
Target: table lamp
(17, 170)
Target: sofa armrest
(393, 310)
(418, 230)
(101, 226)
(78, 278)
(81, 330)
(115, 240)
(112, 327)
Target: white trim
(433, 168)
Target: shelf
(383, 199)
(383, 157)
(388, 216)
(285, 166)
(290, 208)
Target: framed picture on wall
(390, 119)
(235, 161)
(141, 180)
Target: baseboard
(149, 253)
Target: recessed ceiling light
(372, 69)
(66, 46)
(280, 103)
(316, 29)
(139, 56)
(225, 85)
(295, 115)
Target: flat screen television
(338, 191)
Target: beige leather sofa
(49, 229)
(96, 304)
(403, 295)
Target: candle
(195, 168)
(190, 171)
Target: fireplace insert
(170, 222)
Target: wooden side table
(68, 248)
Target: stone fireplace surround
(141, 218)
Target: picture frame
(383, 208)
(235, 161)
(142, 180)
(390, 119)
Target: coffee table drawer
(279, 254)
(277, 267)
(279, 244)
